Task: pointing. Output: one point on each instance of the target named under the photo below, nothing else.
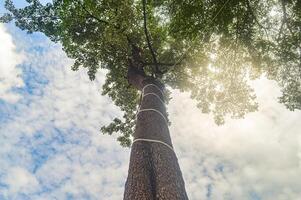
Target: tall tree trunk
(154, 172)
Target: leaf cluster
(211, 49)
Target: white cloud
(19, 180)
(9, 72)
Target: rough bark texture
(154, 172)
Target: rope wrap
(152, 110)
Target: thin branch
(160, 64)
(94, 17)
(255, 18)
(148, 38)
(170, 65)
(285, 20)
(183, 57)
(285, 17)
(116, 27)
(280, 30)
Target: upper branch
(285, 20)
(148, 38)
(117, 27)
(94, 17)
(161, 64)
(255, 18)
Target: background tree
(211, 49)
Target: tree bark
(154, 172)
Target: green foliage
(211, 49)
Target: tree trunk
(154, 172)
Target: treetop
(211, 49)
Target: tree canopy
(211, 49)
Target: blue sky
(51, 147)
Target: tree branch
(286, 21)
(161, 64)
(94, 17)
(157, 71)
(118, 28)
(285, 17)
(280, 30)
(255, 18)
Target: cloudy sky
(51, 147)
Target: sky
(51, 146)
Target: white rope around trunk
(153, 110)
(155, 141)
(154, 94)
(146, 86)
